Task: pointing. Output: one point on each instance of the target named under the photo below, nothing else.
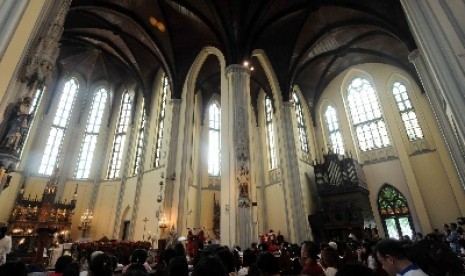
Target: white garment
(5, 248)
(243, 271)
(330, 271)
(415, 272)
(371, 263)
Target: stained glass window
(120, 136)
(161, 119)
(214, 140)
(89, 142)
(270, 133)
(394, 212)
(335, 136)
(407, 112)
(59, 125)
(367, 117)
(300, 123)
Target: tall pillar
(169, 207)
(11, 12)
(140, 176)
(454, 147)
(441, 64)
(292, 175)
(236, 215)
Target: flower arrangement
(117, 248)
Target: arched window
(161, 118)
(394, 212)
(214, 140)
(366, 114)
(59, 125)
(335, 136)
(91, 135)
(36, 100)
(300, 123)
(270, 133)
(120, 136)
(407, 112)
(140, 141)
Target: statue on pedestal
(18, 125)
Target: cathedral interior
(314, 118)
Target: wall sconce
(169, 177)
(86, 221)
(163, 223)
(160, 197)
(226, 207)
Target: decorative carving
(42, 63)
(275, 175)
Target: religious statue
(18, 125)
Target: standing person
(394, 259)
(453, 238)
(329, 261)
(365, 256)
(5, 243)
(308, 257)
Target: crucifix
(145, 222)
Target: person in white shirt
(5, 243)
(393, 258)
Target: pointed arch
(364, 108)
(301, 122)
(394, 212)
(271, 144)
(331, 126)
(92, 131)
(59, 126)
(401, 90)
(214, 136)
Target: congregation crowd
(435, 254)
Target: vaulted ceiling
(308, 42)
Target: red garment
(312, 268)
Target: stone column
(454, 146)
(171, 161)
(11, 12)
(236, 215)
(441, 63)
(140, 175)
(292, 174)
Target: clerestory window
(367, 117)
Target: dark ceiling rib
(386, 17)
(278, 17)
(229, 45)
(175, 75)
(319, 88)
(132, 70)
(156, 52)
(257, 20)
(323, 32)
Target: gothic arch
(325, 103)
(394, 212)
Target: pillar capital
(413, 55)
(238, 69)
